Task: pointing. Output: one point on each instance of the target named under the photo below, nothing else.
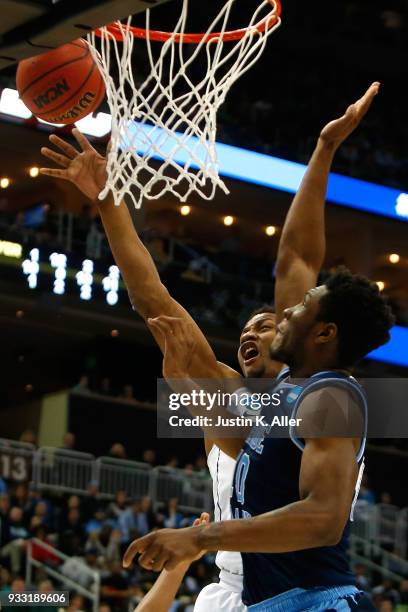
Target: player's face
(255, 341)
(295, 334)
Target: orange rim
(267, 23)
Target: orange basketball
(63, 85)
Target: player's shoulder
(331, 410)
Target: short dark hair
(266, 308)
(362, 314)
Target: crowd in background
(93, 533)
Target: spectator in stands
(105, 607)
(91, 504)
(149, 456)
(173, 517)
(76, 604)
(386, 591)
(116, 588)
(4, 511)
(117, 507)
(127, 392)
(41, 517)
(385, 498)
(68, 441)
(360, 572)
(71, 539)
(41, 552)
(118, 451)
(173, 463)
(200, 467)
(105, 543)
(29, 437)
(20, 498)
(16, 539)
(139, 518)
(82, 385)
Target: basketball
(63, 85)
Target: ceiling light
(270, 230)
(228, 220)
(185, 210)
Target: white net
(172, 115)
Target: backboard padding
(30, 29)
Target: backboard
(30, 27)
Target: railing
(377, 559)
(375, 525)
(63, 470)
(193, 492)
(71, 572)
(114, 475)
(55, 469)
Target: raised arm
(302, 246)
(148, 295)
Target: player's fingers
(137, 546)
(154, 560)
(148, 558)
(54, 172)
(82, 140)
(204, 518)
(365, 102)
(68, 149)
(62, 160)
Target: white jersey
(222, 469)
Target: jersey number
(240, 477)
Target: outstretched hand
(85, 168)
(338, 130)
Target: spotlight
(394, 258)
(185, 210)
(34, 172)
(228, 220)
(4, 183)
(270, 230)
(380, 285)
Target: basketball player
(298, 544)
(87, 169)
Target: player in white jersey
(224, 595)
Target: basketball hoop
(170, 116)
